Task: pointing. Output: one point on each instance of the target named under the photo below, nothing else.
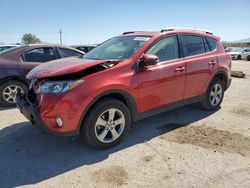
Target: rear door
(200, 62)
(163, 83)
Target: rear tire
(8, 91)
(214, 95)
(239, 57)
(248, 58)
(106, 124)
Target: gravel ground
(186, 147)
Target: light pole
(60, 32)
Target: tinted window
(39, 55)
(165, 48)
(206, 45)
(90, 48)
(212, 43)
(83, 49)
(193, 45)
(68, 53)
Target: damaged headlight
(58, 87)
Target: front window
(165, 48)
(117, 48)
(68, 53)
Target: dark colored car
(126, 78)
(84, 48)
(16, 62)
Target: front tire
(8, 91)
(214, 95)
(106, 124)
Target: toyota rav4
(126, 78)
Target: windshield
(117, 48)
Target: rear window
(212, 43)
(193, 45)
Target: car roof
(51, 45)
(171, 31)
(27, 47)
(83, 45)
(3, 45)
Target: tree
(28, 38)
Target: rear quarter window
(212, 43)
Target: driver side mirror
(148, 60)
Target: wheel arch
(14, 78)
(222, 75)
(120, 95)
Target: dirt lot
(186, 147)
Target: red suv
(126, 78)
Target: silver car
(235, 52)
(246, 54)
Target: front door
(163, 83)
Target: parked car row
(239, 53)
(127, 78)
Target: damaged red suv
(126, 78)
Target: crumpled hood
(61, 67)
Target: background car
(235, 53)
(84, 48)
(246, 54)
(16, 62)
(5, 47)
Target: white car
(235, 52)
(246, 54)
(7, 46)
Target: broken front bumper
(31, 111)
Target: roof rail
(128, 32)
(177, 28)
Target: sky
(93, 21)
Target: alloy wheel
(109, 125)
(9, 93)
(216, 94)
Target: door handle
(212, 62)
(179, 69)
